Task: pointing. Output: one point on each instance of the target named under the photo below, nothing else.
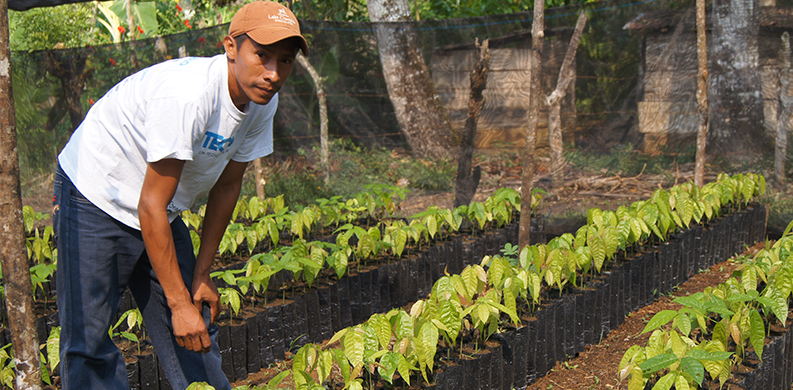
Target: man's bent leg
(88, 290)
(180, 365)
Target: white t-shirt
(176, 109)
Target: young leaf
(353, 347)
(756, 332)
(660, 319)
(658, 362)
(666, 382)
(693, 368)
(382, 328)
(681, 383)
(388, 366)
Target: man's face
(257, 72)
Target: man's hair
(295, 41)
(239, 39)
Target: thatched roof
(770, 17)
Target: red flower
(178, 8)
(140, 30)
(112, 62)
(220, 44)
(202, 40)
(91, 101)
(121, 29)
(187, 23)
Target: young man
(155, 143)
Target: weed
(352, 168)
(570, 366)
(623, 160)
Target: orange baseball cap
(267, 22)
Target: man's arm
(159, 186)
(220, 205)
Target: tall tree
(13, 253)
(554, 102)
(418, 108)
(537, 35)
(785, 110)
(735, 96)
(702, 95)
(467, 180)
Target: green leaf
(273, 383)
(660, 319)
(449, 315)
(666, 382)
(388, 366)
(756, 332)
(403, 325)
(703, 355)
(683, 323)
(658, 362)
(53, 348)
(427, 343)
(353, 347)
(598, 251)
(342, 362)
(681, 383)
(694, 368)
(404, 368)
(382, 329)
(324, 365)
(637, 379)
(777, 305)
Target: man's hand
(189, 328)
(205, 291)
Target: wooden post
(702, 95)
(785, 110)
(323, 115)
(13, 253)
(554, 102)
(467, 181)
(537, 34)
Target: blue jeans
(98, 257)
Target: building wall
(504, 117)
(668, 108)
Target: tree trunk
(785, 111)
(554, 102)
(467, 181)
(13, 254)
(537, 34)
(70, 70)
(418, 108)
(735, 96)
(323, 115)
(702, 95)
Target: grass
(352, 168)
(624, 160)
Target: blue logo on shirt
(217, 142)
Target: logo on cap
(282, 17)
